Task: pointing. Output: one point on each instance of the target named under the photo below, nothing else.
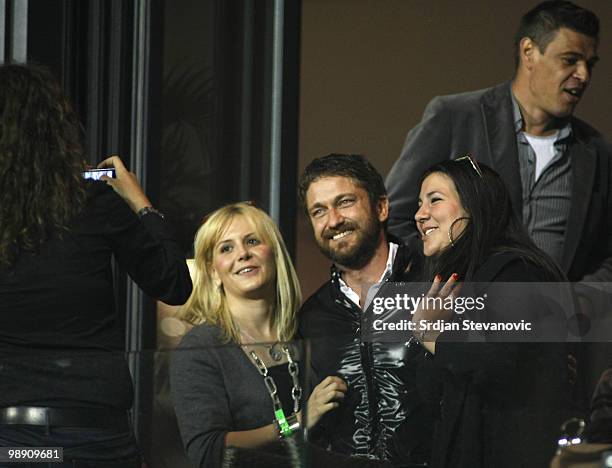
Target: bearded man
(382, 416)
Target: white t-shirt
(544, 149)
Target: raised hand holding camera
(125, 184)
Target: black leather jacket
(383, 415)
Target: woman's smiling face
(439, 210)
(242, 262)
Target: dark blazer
(482, 123)
(503, 402)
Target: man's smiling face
(345, 225)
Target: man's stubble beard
(358, 256)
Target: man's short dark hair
(353, 166)
(542, 23)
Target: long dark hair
(41, 160)
(493, 226)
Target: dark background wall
(369, 67)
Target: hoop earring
(450, 230)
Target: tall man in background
(557, 167)
(382, 416)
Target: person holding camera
(64, 381)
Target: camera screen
(97, 173)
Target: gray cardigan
(216, 389)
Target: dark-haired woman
(502, 399)
(63, 379)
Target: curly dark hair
(41, 160)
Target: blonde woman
(243, 307)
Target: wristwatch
(147, 210)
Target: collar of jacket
(405, 266)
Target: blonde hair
(208, 304)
